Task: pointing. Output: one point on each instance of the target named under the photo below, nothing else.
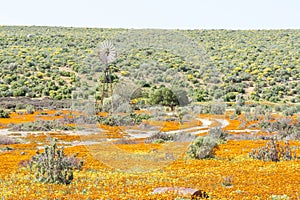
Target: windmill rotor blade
(107, 52)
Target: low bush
(237, 110)
(203, 147)
(53, 166)
(4, 114)
(41, 125)
(217, 133)
(30, 109)
(159, 141)
(159, 136)
(217, 107)
(58, 113)
(285, 127)
(125, 141)
(119, 120)
(290, 111)
(273, 151)
(6, 140)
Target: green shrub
(159, 141)
(278, 108)
(119, 120)
(30, 109)
(58, 113)
(238, 110)
(166, 97)
(290, 111)
(42, 125)
(203, 147)
(53, 166)
(4, 114)
(217, 107)
(218, 134)
(159, 137)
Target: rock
(193, 193)
(179, 190)
(199, 194)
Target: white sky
(170, 14)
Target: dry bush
(53, 166)
(125, 141)
(273, 151)
(6, 140)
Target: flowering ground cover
(232, 174)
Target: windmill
(107, 54)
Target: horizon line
(143, 28)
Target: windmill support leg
(102, 96)
(103, 89)
(111, 83)
(111, 90)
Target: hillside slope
(53, 62)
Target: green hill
(261, 65)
